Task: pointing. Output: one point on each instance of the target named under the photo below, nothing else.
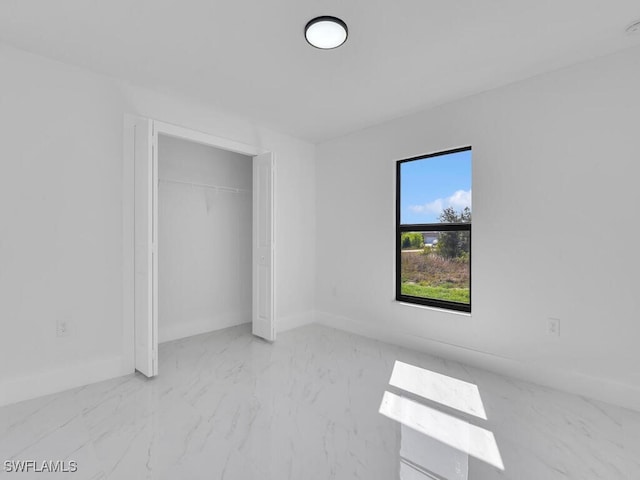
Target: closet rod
(206, 185)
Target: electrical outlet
(553, 327)
(62, 328)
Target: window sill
(433, 309)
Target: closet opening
(204, 238)
(199, 231)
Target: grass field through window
(426, 274)
(451, 294)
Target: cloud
(459, 200)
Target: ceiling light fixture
(326, 32)
(633, 28)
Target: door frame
(128, 207)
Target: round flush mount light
(326, 32)
(633, 28)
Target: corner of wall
(294, 321)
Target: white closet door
(263, 247)
(145, 232)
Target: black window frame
(427, 227)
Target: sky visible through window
(433, 184)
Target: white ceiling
(250, 56)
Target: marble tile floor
(319, 404)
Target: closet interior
(204, 238)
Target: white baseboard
(603, 389)
(175, 331)
(62, 378)
(294, 321)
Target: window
(433, 230)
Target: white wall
(556, 152)
(204, 238)
(555, 199)
(61, 219)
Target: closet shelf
(220, 188)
